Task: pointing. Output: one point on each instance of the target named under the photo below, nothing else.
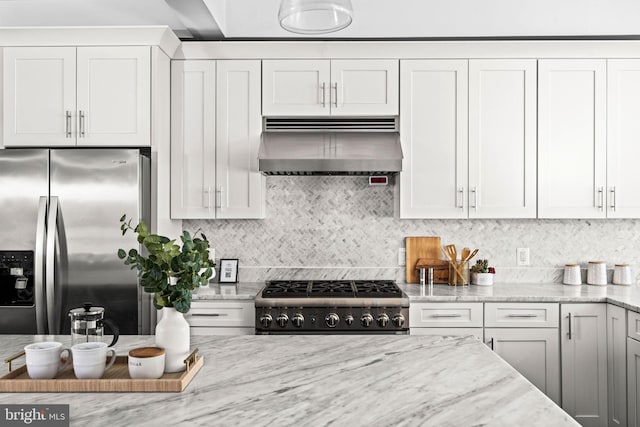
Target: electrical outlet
(402, 256)
(522, 256)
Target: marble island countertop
(349, 380)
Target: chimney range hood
(334, 146)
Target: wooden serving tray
(115, 379)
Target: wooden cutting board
(423, 247)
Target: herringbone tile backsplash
(340, 227)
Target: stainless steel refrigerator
(60, 233)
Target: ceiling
(373, 19)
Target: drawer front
(221, 313)
(204, 331)
(633, 325)
(521, 315)
(445, 315)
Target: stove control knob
(282, 320)
(366, 320)
(265, 320)
(298, 320)
(398, 320)
(383, 320)
(348, 319)
(332, 320)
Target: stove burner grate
(331, 289)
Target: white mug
(90, 359)
(597, 273)
(622, 275)
(572, 275)
(44, 359)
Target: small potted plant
(170, 272)
(482, 274)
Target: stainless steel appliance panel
(93, 189)
(24, 188)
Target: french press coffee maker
(87, 325)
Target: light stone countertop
(318, 380)
(236, 291)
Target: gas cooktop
(331, 289)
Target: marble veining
(322, 380)
(337, 227)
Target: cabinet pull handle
(490, 343)
(569, 333)
(221, 193)
(81, 116)
(446, 315)
(613, 199)
(67, 123)
(522, 315)
(460, 198)
(324, 103)
(474, 191)
(335, 100)
(601, 198)
(207, 192)
(209, 315)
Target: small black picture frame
(228, 271)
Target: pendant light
(315, 16)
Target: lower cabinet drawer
(445, 315)
(221, 313)
(521, 315)
(476, 332)
(198, 330)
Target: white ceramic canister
(622, 274)
(572, 275)
(597, 273)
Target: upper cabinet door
(114, 93)
(193, 139)
(296, 88)
(240, 185)
(502, 138)
(433, 129)
(39, 96)
(364, 87)
(571, 138)
(623, 134)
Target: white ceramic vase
(173, 334)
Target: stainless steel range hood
(329, 147)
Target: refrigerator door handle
(52, 222)
(39, 265)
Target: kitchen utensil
(471, 255)
(423, 248)
(44, 359)
(87, 325)
(622, 274)
(465, 253)
(89, 359)
(458, 273)
(597, 273)
(572, 275)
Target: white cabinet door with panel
(433, 125)
(193, 139)
(86, 96)
(215, 136)
(533, 352)
(617, 365)
(114, 96)
(240, 185)
(633, 382)
(39, 105)
(583, 345)
(502, 138)
(623, 134)
(330, 87)
(572, 138)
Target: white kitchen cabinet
(330, 87)
(434, 318)
(215, 137)
(617, 365)
(526, 335)
(502, 138)
(623, 133)
(221, 317)
(583, 345)
(433, 125)
(85, 96)
(572, 138)
(633, 382)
